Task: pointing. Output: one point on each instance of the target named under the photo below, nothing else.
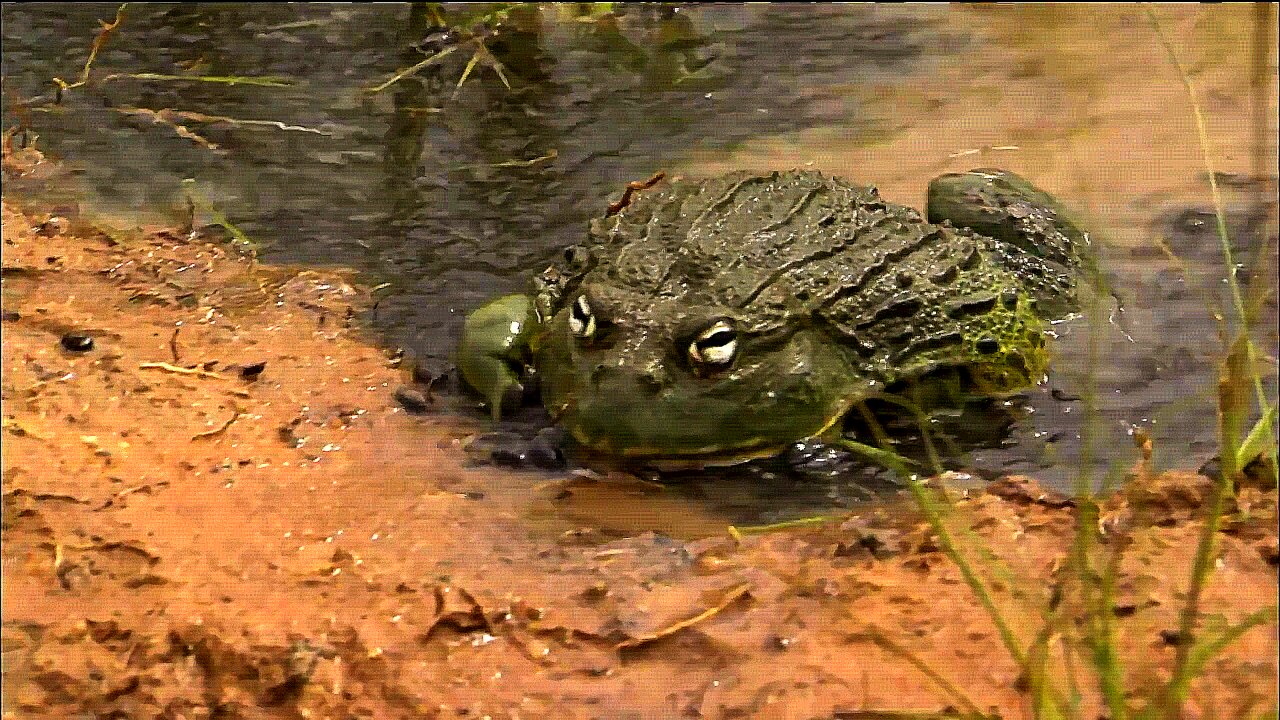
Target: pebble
(251, 372)
(412, 400)
(77, 342)
(544, 450)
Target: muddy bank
(220, 510)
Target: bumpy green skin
(495, 342)
(833, 295)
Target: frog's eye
(581, 320)
(716, 345)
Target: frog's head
(988, 344)
(659, 378)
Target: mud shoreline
(188, 537)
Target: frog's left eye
(581, 320)
(716, 345)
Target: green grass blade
(1204, 651)
(1258, 439)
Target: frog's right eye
(582, 322)
(716, 345)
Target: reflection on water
(454, 194)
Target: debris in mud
(509, 449)
(631, 188)
(220, 429)
(77, 342)
(1026, 491)
(1063, 396)
(411, 399)
(729, 598)
(252, 371)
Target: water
(452, 196)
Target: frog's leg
(495, 340)
(1007, 207)
(887, 459)
(835, 439)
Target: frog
(712, 321)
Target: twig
(220, 429)
(466, 73)
(159, 117)
(710, 612)
(129, 491)
(168, 114)
(947, 686)
(412, 70)
(173, 345)
(259, 80)
(631, 188)
(180, 370)
(98, 43)
(552, 154)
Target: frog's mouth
(667, 460)
(675, 457)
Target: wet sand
(186, 538)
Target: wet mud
(444, 196)
(219, 502)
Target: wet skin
(713, 321)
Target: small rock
(55, 225)
(427, 373)
(1124, 610)
(251, 372)
(411, 399)
(1063, 396)
(10, 316)
(508, 456)
(1270, 552)
(544, 451)
(77, 342)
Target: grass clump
(1053, 686)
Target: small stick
(631, 188)
(180, 370)
(218, 430)
(725, 602)
(129, 491)
(173, 345)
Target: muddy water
(452, 196)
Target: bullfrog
(712, 321)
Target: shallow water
(452, 196)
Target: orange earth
(183, 541)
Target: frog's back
(899, 292)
